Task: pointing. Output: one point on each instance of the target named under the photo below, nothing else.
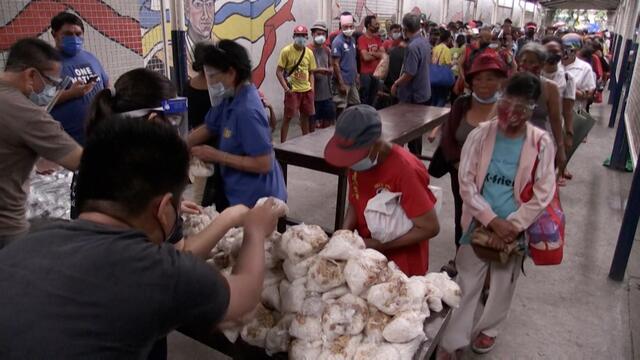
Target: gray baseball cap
(320, 25)
(357, 128)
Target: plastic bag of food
(408, 350)
(341, 348)
(305, 350)
(385, 217)
(281, 205)
(307, 324)
(231, 242)
(255, 332)
(302, 241)
(390, 297)
(292, 295)
(368, 351)
(278, 338)
(325, 274)
(376, 323)
(335, 293)
(404, 327)
(298, 270)
(343, 245)
(346, 316)
(364, 270)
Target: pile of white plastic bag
(330, 298)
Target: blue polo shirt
(72, 114)
(416, 63)
(345, 48)
(241, 126)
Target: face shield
(60, 86)
(174, 110)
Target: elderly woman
(486, 75)
(239, 122)
(547, 114)
(496, 166)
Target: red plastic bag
(546, 235)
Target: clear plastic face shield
(48, 98)
(174, 110)
(217, 91)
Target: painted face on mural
(200, 14)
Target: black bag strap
(295, 67)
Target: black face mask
(175, 234)
(554, 59)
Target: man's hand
(394, 89)
(207, 153)
(344, 89)
(189, 207)
(262, 219)
(79, 89)
(235, 214)
(504, 230)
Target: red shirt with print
(372, 44)
(400, 172)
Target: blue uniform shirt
(345, 49)
(241, 126)
(72, 114)
(416, 63)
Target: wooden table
(401, 123)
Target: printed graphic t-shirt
(299, 79)
(372, 44)
(417, 200)
(71, 114)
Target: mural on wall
(213, 20)
(34, 19)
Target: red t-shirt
(400, 172)
(370, 44)
(388, 44)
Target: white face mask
(217, 93)
(320, 39)
(348, 33)
(396, 35)
(364, 164)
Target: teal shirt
(497, 188)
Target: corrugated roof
(581, 4)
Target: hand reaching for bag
(504, 230)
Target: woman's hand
(372, 243)
(207, 153)
(504, 230)
(189, 207)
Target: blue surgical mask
(217, 93)
(364, 164)
(491, 100)
(71, 44)
(44, 97)
(301, 41)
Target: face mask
(175, 234)
(493, 46)
(300, 41)
(487, 101)
(320, 39)
(396, 35)
(554, 59)
(217, 93)
(364, 164)
(375, 29)
(71, 45)
(44, 97)
(348, 33)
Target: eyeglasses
(49, 79)
(517, 106)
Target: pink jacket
(474, 164)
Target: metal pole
(513, 4)
(627, 231)
(179, 42)
(165, 38)
(620, 82)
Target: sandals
(483, 344)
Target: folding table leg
(282, 222)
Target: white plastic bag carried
(385, 217)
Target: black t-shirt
(396, 58)
(199, 105)
(80, 290)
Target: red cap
(531, 25)
(300, 29)
(489, 60)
